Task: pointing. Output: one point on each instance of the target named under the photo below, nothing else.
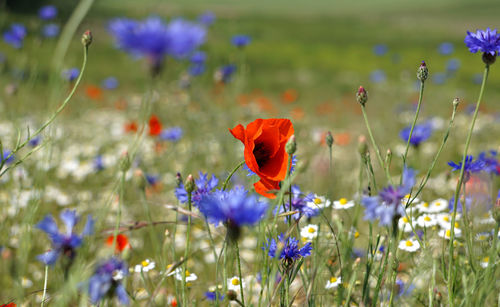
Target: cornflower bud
(87, 38)
(456, 102)
(329, 139)
(362, 96)
(388, 157)
(489, 59)
(189, 184)
(291, 145)
(362, 146)
(422, 72)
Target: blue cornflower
(172, 134)
(14, 36)
(197, 60)
(240, 40)
(380, 49)
(50, 30)
(71, 74)
(445, 48)
(211, 295)
(225, 73)
(300, 202)
(5, 157)
(471, 166)
(110, 83)
(404, 289)
(35, 141)
(106, 281)
(290, 251)
(468, 204)
(207, 18)
(47, 12)
(378, 76)
(152, 179)
(234, 207)
(203, 186)
(420, 133)
(486, 41)
(387, 205)
(63, 242)
(491, 162)
(98, 163)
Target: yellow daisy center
(438, 204)
(427, 219)
(407, 196)
(446, 219)
(457, 225)
(426, 205)
(311, 230)
(409, 243)
(356, 234)
(405, 219)
(145, 263)
(317, 201)
(343, 201)
(333, 279)
(482, 237)
(448, 233)
(235, 282)
(486, 259)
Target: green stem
(224, 185)
(186, 253)
(395, 251)
(374, 144)
(239, 271)
(45, 284)
(459, 185)
(119, 212)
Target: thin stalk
(119, 212)
(374, 144)
(433, 282)
(459, 185)
(239, 272)
(45, 284)
(394, 266)
(186, 253)
(224, 185)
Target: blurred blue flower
(468, 204)
(50, 30)
(446, 48)
(380, 49)
(106, 281)
(404, 289)
(197, 60)
(225, 73)
(290, 251)
(234, 207)
(47, 12)
(71, 74)
(207, 18)
(378, 76)
(487, 41)
(421, 133)
(35, 141)
(452, 65)
(387, 205)
(470, 167)
(152, 179)
(14, 36)
(211, 295)
(110, 83)
(491, 162)
(6, 154)
(66, 242)
(172, 134)
(240, 40)
(439, 78)
(203, 186)
(98, 163)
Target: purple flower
(110, 83)
(471, 166)
(172, 134)
(98, 163)
(486, 41)
(378, 76)
(71, 74)
(211, 295)
(491, 162)
(50, 30)
(225, 73)
(5, 157)
(290, 251)
(380, 49)
(35, 141)
(47, 12)
(387, 205)
(234, 207)
(445, 48)
(66, 242)
(203, 186)
(207, 18)
(152, 179)
(240, 40)
(106, 281)
(420, 133)
(14, 36)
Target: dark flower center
(261, 154)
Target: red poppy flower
(121, 242)
(9, 305)
(131, 127)
(154, 126)
(93, 92)
(265, 155)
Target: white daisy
(438, 205)
(482, 236)
(343, 203)
(444, 220)
(447, 233)
(309, 232)
(485, 262)
(426, 220)
(333, 283)
(145, 266)
(411, 245)
(423, 207)
(189, 276)
(319, 202)
(233, 283)
(487, 219)
(404, 224)
(407, 198)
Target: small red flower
(154, 126)
(265, 155)
(93, 92)
(121, 242)
(9, 305)
(131, 127)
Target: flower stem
(459, 185)
(45, 284)
(239, 271)
(374, 144)
(394, 265)
(186, 253)
(224, 185)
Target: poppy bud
(489, 59)
(362, 146)
(189, 184)
(456, 102)
(422, 72)
(329, 139)
(291, 145)
(87, 38)
(362, 96)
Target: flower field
(192, 153)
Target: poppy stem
(224, 185)
(459, 185)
